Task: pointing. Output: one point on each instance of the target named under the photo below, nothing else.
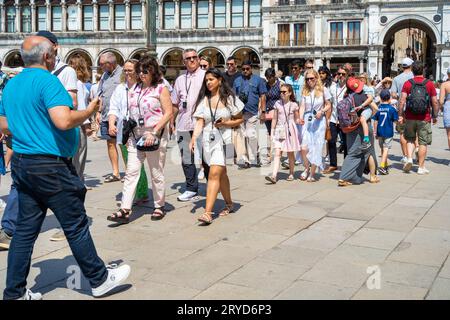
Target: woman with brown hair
(151, 109)
(284, 131)
(79, 64)
(315, 103)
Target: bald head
(37, 50)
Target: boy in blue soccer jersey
(384, 128)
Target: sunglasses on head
(193, 58)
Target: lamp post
(151, 27)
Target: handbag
(155, 146)
(127, 129)
(280, 132)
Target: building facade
(266, 32)
(361, 32)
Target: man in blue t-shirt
(38, 111)
(384, 124)
(251, 90)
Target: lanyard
(339, 94)
(312, 101)
(140, 98)
(186, 86)
(213, 116)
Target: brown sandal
(344, 183)
(158, 214)
(121, 216)
(227, 210)
(206, 218)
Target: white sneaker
(116, 276)
(423, 171)
(404, 160)
(29, 295)
(187, 196)
(408, 165)
(201, 174)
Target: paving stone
(148, 290)
(357, 255)
(445, 271)
(391, 291)
(440, 290)
(226, 291)
(318, 240)
(280, 225)
(419, 254)
(289, 255)
(415, 202)
(429, 237)
(304, 212)
(435, 222)
(265, 276)
(408, 274)
(376, 238)
(330, 223)
(361, 208)
(307, 290)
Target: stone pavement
(292, 240)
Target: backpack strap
(57, 72)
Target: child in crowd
(366, 112)
(384, 127)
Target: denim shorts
(104, 131)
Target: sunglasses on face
(193, 58)
(341, 73)
(144, 72)
(310, 79)
(308, 67)
(245, 69)
(203, 66)
(230, 64)
(294, 68)
(284, 92)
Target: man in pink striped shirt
(184, 97)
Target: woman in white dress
(314, 104)
(217, 111)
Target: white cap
(407, 62)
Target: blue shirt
(386, 116)
(26, 101)
(297, 85)
(253, 88)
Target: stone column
(361, 65)
(127, 15)
(18, 17)
(49, 15)
(63, 16)
(228, 14)
(2, 18)
(33, 16)
(95, 17)
(111, 14)
(177, 14)
(246, 10)
(194, 14)
(144, 15)
(79, 15)
(318, 62)
(211, 14)
(328, 63)
(275, 64)
(380, 65)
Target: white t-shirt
(67, 76)
(337, 95)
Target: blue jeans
(9, 218)
(47, 182)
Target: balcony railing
(291, 43)
(349, 42)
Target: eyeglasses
(193, 58)
(204, 66)
(308, 67)
(309, 79)
(341, 74)
(284, 92)
(230, 64)
(294, 68)
(246, 69)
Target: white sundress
(213, 150)
(313, 131)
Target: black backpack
(418, 100)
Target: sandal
(121, 216)
(271, 179)
(158, 214)
(290, 178)
(111, 178)
(227, 210)
(374, 179)
(344, 183)
(311, 179)
(304, 175)
(206, 218)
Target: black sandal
(121, 216)
(158, 214)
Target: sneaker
(423, 171)
(29, 295)
(187, 196)
(5, 240)
(58, 236)
(116, 276)
(404, 160)
(408, 165)
(201, 174)
(383, 171)
(365, 145)
(244, 166)
(285, 165)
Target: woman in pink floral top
(150, 106)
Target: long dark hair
(329, 80)
(225, 90)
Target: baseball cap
(407, 62)
(47, 34)
(355, 85)
(385, 95)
